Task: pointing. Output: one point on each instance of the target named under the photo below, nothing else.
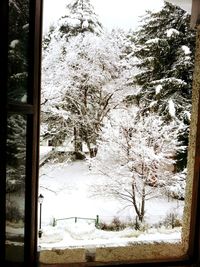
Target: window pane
(115, 122)
(18, 50)
(15, 187)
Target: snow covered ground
(68, 190)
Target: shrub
(171, 220)
(115, 225)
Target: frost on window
(115, 117)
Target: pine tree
(165, 51)
(18, 50)
(17, 91)
(16, 152)
(80, 18)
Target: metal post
(40, 198)
(40, 223)
(54, 222)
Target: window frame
(3, 118)
(195, 18)
(32, 145)
(33, 112)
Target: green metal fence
(96, 220)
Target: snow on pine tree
(80, 72)
(79, 17)
(16, 153)
(136, 155)
(128, 61)
(165, 51)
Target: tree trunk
(142, 211)
(78, 147)
(139, 211)
(92, 150)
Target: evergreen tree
(18, 49)
(80, 18)
(16, 152)
(17, 91)
(165, 51)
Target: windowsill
(139, 251)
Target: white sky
(112, 13)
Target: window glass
(18, 50)
(15, 186)
(115, 123)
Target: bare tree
(87, 84)
(136, 154)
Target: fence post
(97, 221)
(75, 219)
(54, 222)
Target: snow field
(83, 234)
(67, 190)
